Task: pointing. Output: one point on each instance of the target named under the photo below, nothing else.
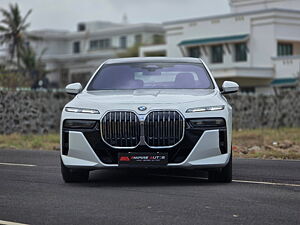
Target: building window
(138, 39)
(100, 44)
(81, 27)
(284, 49)
(194, 52)
(158, 39)
(217, 53)
(123, 42)
(76, 47)
(240, 52)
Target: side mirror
(229, 87)
(74, 88)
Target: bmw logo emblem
(142, 108)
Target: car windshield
(125, 76)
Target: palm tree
(12, 30)
(31, 65)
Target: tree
(31, 65)
(12, 30)
(130, 52)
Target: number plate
(143, 159)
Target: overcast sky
(65, 14)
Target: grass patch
(283, 143)
(30, 141)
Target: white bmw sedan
(151, 112)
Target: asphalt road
(264, 192)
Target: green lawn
(281, 143)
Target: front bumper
(206, 153)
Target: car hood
(146, 96)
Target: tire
(73, 175)
(223, 175)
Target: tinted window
(151, 76)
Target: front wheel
(223, 174)
(73, 175)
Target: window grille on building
(217, 53)
(285, 49)
(194, 52)
(240, 50)
(100, 44)
(123, 42)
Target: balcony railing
(287, 66)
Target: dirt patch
(267, 143)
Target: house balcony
(287, 70)
(84, 56)
(245, 76)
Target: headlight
(205, 109)
(84, 124)
(81, 110)
(207, 122)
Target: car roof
(153, 59)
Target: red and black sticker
(143, 158)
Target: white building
(74, 56)
(256, 45)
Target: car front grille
(123, 129)
(163, 128)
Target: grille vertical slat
(169, 130)
(158, 129)
(125, 129)
(109, 130)
(119, 130)
(129, 130)
(114, 127)
(163, 128)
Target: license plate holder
(143, 159)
